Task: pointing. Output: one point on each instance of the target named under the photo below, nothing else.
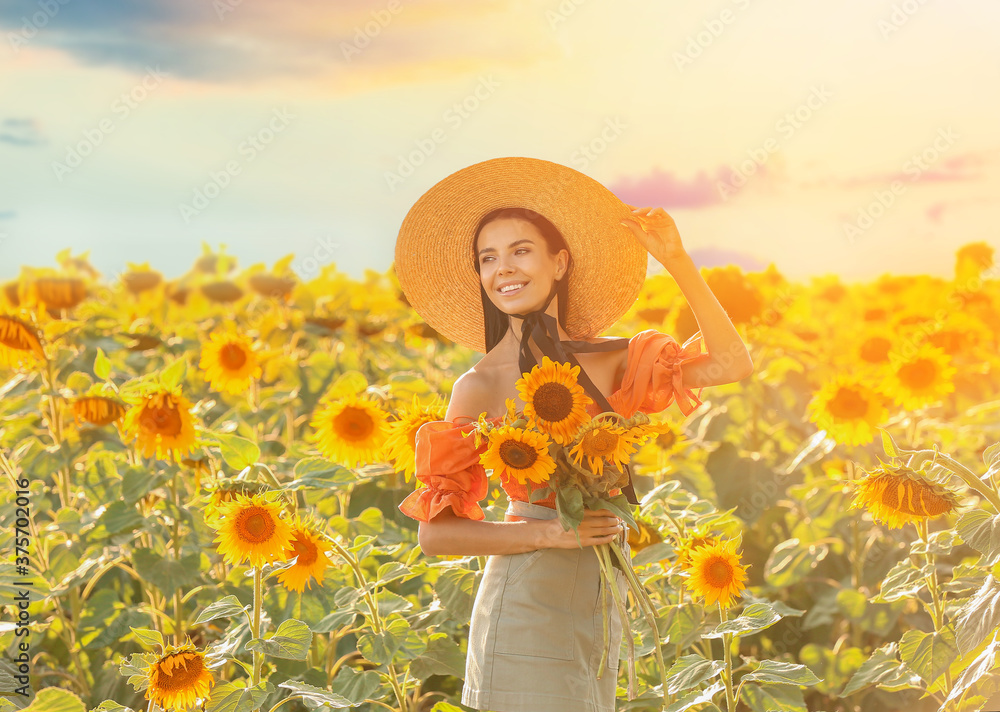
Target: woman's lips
(511, 292)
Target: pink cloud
(667, 190)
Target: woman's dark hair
(495, 321)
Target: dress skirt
(536, 636)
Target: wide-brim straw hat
(435, 262)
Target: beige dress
(536, 636)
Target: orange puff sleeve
(653, 378)
(447, 463)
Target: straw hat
(435, 263)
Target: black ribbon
(545, 330)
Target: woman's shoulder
(470, 391)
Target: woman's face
(515, 266)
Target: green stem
(727, 642)
(937, 599)
(258, 658)
(648, 609)
(970, 478)
(604, 625)
(607, 572)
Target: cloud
(666, 190)
(721, 257)
(964, 167)
(21, 132)
(226, 41)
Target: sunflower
(251, 529)
(140, 279)
(875, 350)
(59, 292)
(971, 260)
(351, 431)
(161, 422)
(602, 442)
(179, 677)
(98, 410)
(554, 402)
(691, 543)
(715, 573)
(227, 493)
(311, 550)
(520, 455)
(922, 379)
(896, 496)
(400, 444)
(19, 343)
(222, 291)
(848, 409)
(646, 535)
(229, 362)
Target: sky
(855, 138)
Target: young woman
(551, 272)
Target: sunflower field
(203, 478)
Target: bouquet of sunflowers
(555, 446)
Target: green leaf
(457, 589)
(446, 707)
(236, 697)
(904, 580)
(981, 530)
(120, 517)
(290, 641)
(780, 698)
(569, 502)
(881, 664)
(396, 636)
(173, 374)
(149, 637)
(978, 618)
(691, 670)
(683, 624)
(888, 444)
(314, 697)
(390, 571)
(781, 674)
(928, 654)
(349, 383)
(167, 574)
(406, 384)
(754, 618)
(983, 664)
(228, 607)
(695, 698)
(106, 706)
(991, 455)
(102, 366)
(355, 685)
(320, 473)
(54, 699)
(790, 562)
(442, 657)
(236, 451)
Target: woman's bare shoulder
(471, 390)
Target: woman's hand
(655, 230)
(599, 526)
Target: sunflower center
(161, 418)
(918, 374)
(908, 497)
(179, 671)
(305, 550)
(599, 443)
(255, 525)
(848, 404)
(232, 357)
(516, 454)
(354, 424)
(875, 349)
(718, 573)
(15, 335)
(552, 402)
(666, 440)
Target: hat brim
(434, 262)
